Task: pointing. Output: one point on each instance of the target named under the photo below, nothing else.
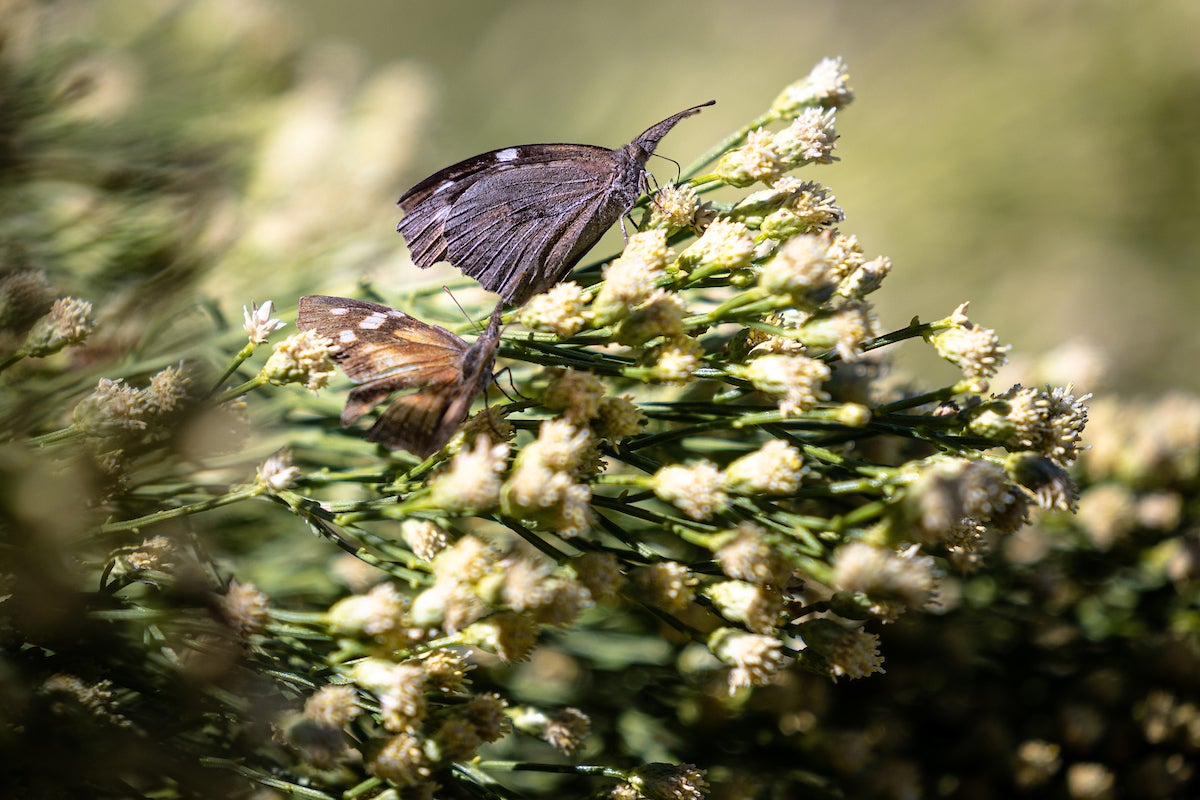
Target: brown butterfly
(519, 218)
(385, 350)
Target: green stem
(181, 511)
(248, 386)
(238, 360)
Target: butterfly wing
(382, 349)
(422, 423)
(515, 219)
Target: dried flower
(564, 729)
(669, 781)
(68, 323)
(259, 324)
(245, 608)
(305, 358)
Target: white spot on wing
(347, 336)
(373, 322)
(508, 154)
(339, 311)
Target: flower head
(258, 323)
(976, 350)
(245, 608)
(795, 379)
(696, 490)
(757, 160)
(68, 323)
(826, 86)
(753, 656)
(673, 207)
(560, 309)
(304, 358)
(473, 480)
(726, 244)
(276, 473)
(669, 782)
(809, 139)
(775, 468)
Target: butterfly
(519, 218)
(385, 350)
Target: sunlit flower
(473, 480)
(752, 605)
(333, 705)
(750, 557)
(725, 244)
(976, 350)
(809, 139)
(795, 379)
(757, 160)
(673, 207)
(668, 585)
(258, 322)
(775, 468)
(305, 358)
(696, 490)
(559, 309)
(826, 86)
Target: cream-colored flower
(775, 468)
(560, 309)
(697, 490)
(305, 358)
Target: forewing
(519, 230)
(382, 345)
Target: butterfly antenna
(446, 289)
(678, 168)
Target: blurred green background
(1041, 160)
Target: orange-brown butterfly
(517, 219)
(385, 350)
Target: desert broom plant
(705, 482)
